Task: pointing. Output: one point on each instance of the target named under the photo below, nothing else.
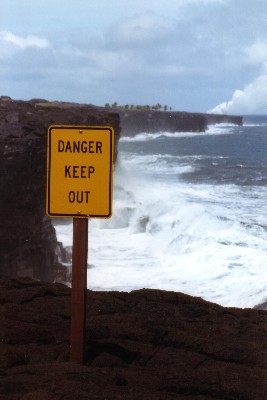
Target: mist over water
(189, 215)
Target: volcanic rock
(147, 344)
(138, 121)
(28, 243)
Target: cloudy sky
(191, 55)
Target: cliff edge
(28, 243)
(138, 121)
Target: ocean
(189, 215)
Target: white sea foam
(204, 240)
(220, 129)
(216, 129)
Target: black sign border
(48, 192)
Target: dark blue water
(236, 155)
(189, 215)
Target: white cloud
(192, 54)
(257, 52)
(251, 100)
(253, 97)
(131, 48)
(141, 30)
(23, 43)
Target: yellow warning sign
(79, 171)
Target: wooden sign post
(79, 287)
(79, 185)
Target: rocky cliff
(28, 243)
(147, 344)
(134, 122)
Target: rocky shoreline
(134, 122)
(28, 243)
(147, 344)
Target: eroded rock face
(28, 243)
(134, 122)
(147, 344)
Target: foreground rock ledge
(147, 344)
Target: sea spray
(182, 220)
